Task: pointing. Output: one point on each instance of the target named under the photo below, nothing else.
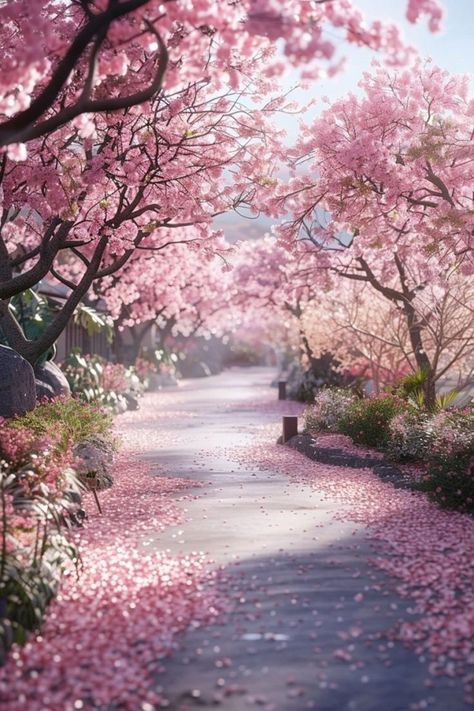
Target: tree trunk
(421, 358)
(33, 350)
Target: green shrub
(410, 436)
(367, 421)
(67, 421)
(96, 380)
(450, 481)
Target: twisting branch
(27, 125)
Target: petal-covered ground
(345, 593)
(108, 629)
(428, 550)
(332, 575)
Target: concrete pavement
(297, 635)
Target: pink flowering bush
(330, 406)
(144, 369)
(451, 460)
(114, 378)
(38, 497)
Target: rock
(50, 381)
(44, 391)
(132, 402)
(386, 470)
(17, 384)
(94, 462)
(394, 475)
(161, 380)
(194, 369)
(330, 455)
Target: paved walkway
(299, 634)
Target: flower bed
(107, 632)
(40, 498)
(441, 442)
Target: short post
(290, 428)
(94, 491)
(282, 389)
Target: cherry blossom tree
(182, 292)
(67, 59)
(122, 117)
(368, 333)
(387, 200)
(82, 213)
(271, 284)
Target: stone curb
(386, 470)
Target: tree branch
(23, 126)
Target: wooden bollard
(290, 428)
(282, 389)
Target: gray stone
(161, 380)
(94, 462)
(44, 391)
(50, 381)
(17, 384)
(387, 471)
(329, 455)
(132, 402)
(194, 369)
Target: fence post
(290, 428)
(282, 389)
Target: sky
(451, 49)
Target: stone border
(383, 468)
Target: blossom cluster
(329, 407)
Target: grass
(67, 420)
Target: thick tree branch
(24, 127)
(53, 331)
(55, 235)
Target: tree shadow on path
(306, 631)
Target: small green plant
(412, 384)
(94, 321)
(446, 400)
(412, 389)
(67, 421)
(368, 421)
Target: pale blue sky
(452, 49)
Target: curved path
(307, 615)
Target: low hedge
(443, 441)
(39, 499)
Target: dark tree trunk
(423, 362)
